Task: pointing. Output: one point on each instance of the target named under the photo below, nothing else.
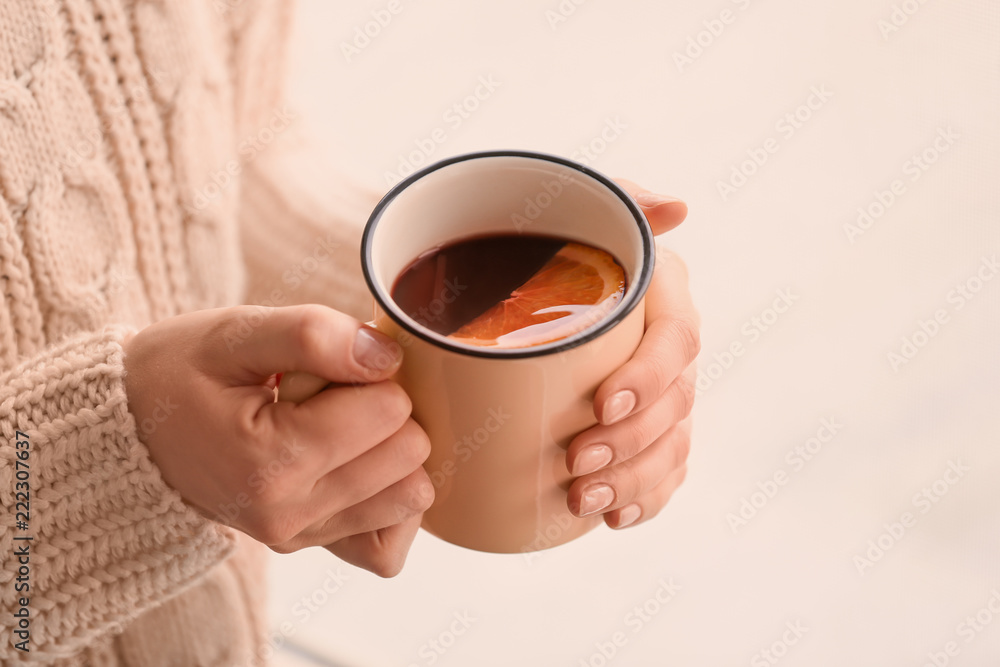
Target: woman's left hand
(630, 464)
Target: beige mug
(500, 420)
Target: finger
(408, 497)
(614, 487)
(340, 423)
(649, 505)
(663, 212)
(310, 338)
(366, 475)
(671, 342)
(382, 551)
(601, 446)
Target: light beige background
(825, 358)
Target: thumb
(317, 340)
(663, 213)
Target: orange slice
(573, 290)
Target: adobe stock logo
(713, 28)
(365, 34)
(534, 206)
(923, 501)
(303, 611)
(778, 649)
(254, 144)
(635, 620)
(964, 292)
(562, 12)
(913, 169)
(435, 647)
(970, 628)
(752, 330)
(452, 118)
(796, 458)
(787, 126)
(899, 17)
(465, 448)
(547, 536)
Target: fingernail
(628, 515)
(652, 200)
(591, 459)
(618, 407)
(376, 351)
(596, 498)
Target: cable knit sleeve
(109, 539)
(300, 220)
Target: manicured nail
(618, 407)
(628, 515)
(591, 459)
(652, 200)
(596, 498)
(376, 351)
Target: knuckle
(666, 491)
(218, 331)
(272, 486)
(416, 445)
(638, 480)
(283, 548)
(311, 333)
(387, 569)
(419, 492)
(403, 511)
(652, 511)
(683, 394)
(275, 533)
(628, 482)
(688, 334)
(658, 370)
(385, 563)
(249, 431)
(392, 402)
(424, 500)
(638, 437)
(682, 475)
(684, 426)
(270, 495)
(244, 427)
(682, 448)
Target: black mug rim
(632, 297)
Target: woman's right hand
(340, 470)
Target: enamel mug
(500, 420)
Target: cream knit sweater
(141, 176)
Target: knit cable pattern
(117, 121)
(111, 539)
